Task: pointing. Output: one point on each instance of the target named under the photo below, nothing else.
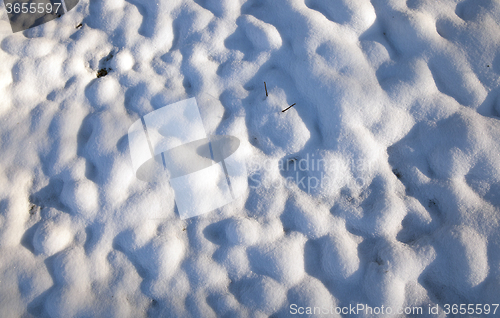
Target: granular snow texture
(381, 186)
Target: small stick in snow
(265, 87)
(284, 110)
(102, 72)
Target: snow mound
(51, 238)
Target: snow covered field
(379, 187)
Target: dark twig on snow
(265, 87)
(284, 110)
(102, 72)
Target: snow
(380, 186)
(51, 238)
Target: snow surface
(398, 100)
